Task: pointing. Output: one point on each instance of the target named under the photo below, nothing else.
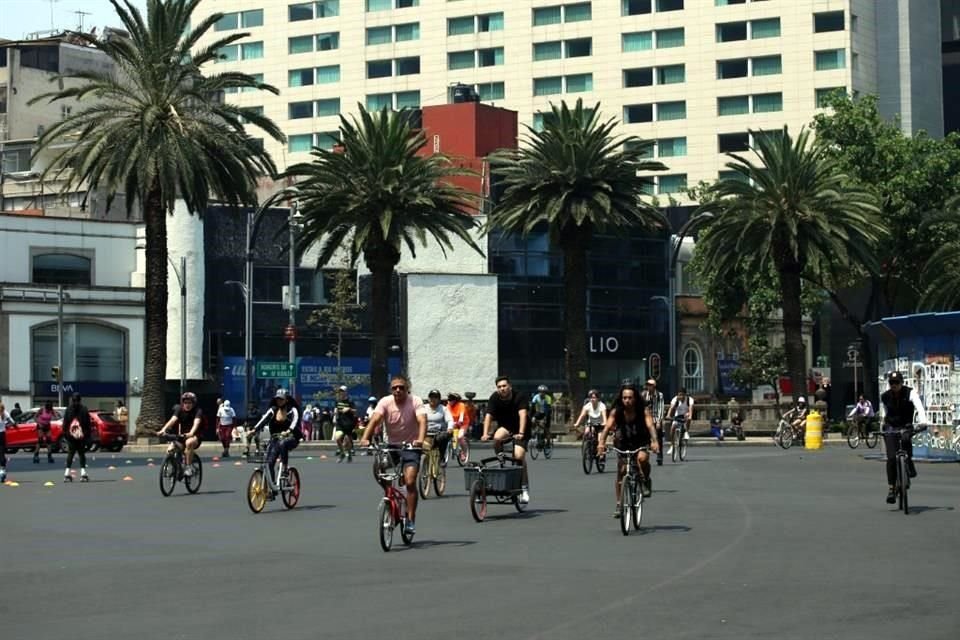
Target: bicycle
(501, 482)
(173, 468)
(678, 439)
(902, 485)
(541, 440)
(261, 488)
(431, 471)
(588, 450)
(392, 511)
(459, 448)
(631, 494)
(858, 431)
(787, 433)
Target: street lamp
(294, 224)
(182, 281)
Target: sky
(20, 17)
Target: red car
(107, 432)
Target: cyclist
(371, 406)
(345, 418)
(439, 423)
(861, 414)
(902, 407)
(283, 420)
(509, 409)
(187, 418)
(632, 420)
(681, 410)
(459, 414)
(542, 406)
(655, 398)
(594, 413)
(797, 416)
(44, 417)
(405, 422)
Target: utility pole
(59, 345)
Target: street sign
(276, 370)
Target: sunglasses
(398, 387)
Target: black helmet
(434, 393)
(453, 397)
(895, 378)
(188, 396)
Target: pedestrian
(121, 414)
(225, 418)
(253, 417)
(306, 420)
(76, 429)
(16, 412)
(44, 417)
(5, 419)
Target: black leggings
(281, 449)
(78, 447)
(890, 442)
(3, 449)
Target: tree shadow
(676, 528)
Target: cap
(453, 396)
(372, 399)
(895, 378)
(802, 400)
(226, 403)
(434, 393)
(281, 393)
(342, 387)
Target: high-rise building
(693, 75)
(950, 33)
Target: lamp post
(182, 281)
(294, 222)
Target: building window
(299, 44)
(298, 12)
(547, 15)
(672, 110)
(547, 86)
(634, 113)
(408, 99)
(767, 66)
(547, 51)
(733, 175)
(300, 143)
(733, 142)
(490, 22)
(579, 83)
(669, 5)
(724, 3)
(670, 38)
(672, 74)
(326, 140)
(251, 50)
(460, 26)
(828, 21)
(638, 77)
(638, 41)
(244, 19)
(490, 57)
(406, 4)
(579, 47)
(300, 77)
(731, 31)
(379, 35)
(577, 12)
(824, 93)
(379, 69)
(328, 107)
(635, 7)
(379, 5)
(736, 68)
(675, 183)
(378, 101)
(692, 368)
(491, 91)
(829, 59)
(329, 74)
(461, 60)
(91, 352)
(62, 268)
(16, 160)
(733, 105)
(767, 102)
(769, 28)
(408, 66)
(328, 8)
(671, 147)
(298, 110)
(407, 32)
(328, 41)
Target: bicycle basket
(496, 478)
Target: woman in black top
(632, 419)
(76, 416)
(283, 420)
(187, 419)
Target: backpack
(76, 430)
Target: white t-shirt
(226, 415)
(594, 415)
(681, 408)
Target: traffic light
(55, 373)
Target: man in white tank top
(680, 407)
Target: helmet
(895, 378)
(542, 388)
(189, 395)
(372, 399)
(281, 393)
(434, 393)
(226, 403)
(453, 397)
(342, 387)
(593, 392)
(801, 400)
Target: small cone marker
(216, 458)
(323, 457)
(150, 464)
(309, 457)
(111, 468)
(149, 459)
(129, 461)
(11, 483)
(216, 464)
(48, 484)
(128, 478)
(238, 464)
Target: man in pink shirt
(404, 421)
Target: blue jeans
(281, 449)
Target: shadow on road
(524, 515)
(440, 543)
(205, 493)
(919, 508)
(678, 528)
(306, 507)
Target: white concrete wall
(451, 340)
(185, 239)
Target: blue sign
(86, 389)
(317, 379)
(724, 369)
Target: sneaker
(670, 450)
(617, 512)
(524, 496)
(646, 488)
(3, 475)
(68, 478)
(659, 462)
(350, 457)
(188, 471)
(83, 476)
(686, 435)
(36, 458)
(339, 456)
(911, 469)
(891, 496)
(226, 454)
(409, 528)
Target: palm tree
(577, 178)
(155, 129)
(942, 291)
(374, 194)
(792, 209)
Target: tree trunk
(152, 410)
(574, 241)
(381, 262)
(793, 329)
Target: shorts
(634, 441)
(352, 433)
(405, 458)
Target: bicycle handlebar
(631, 452)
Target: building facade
(692, 75)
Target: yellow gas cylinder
(814, 437)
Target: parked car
(106, 432)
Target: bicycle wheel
(587, 455)
(385, 524)
(193, 482)
(440, 482)
(675, 445)
(168, 476)
(626, 510)
(903, 478)
(423, 481)
(786, 439)
(548, 447)
(535, 446)
(637, 508)
(463, 452)
(683, 445)
(256, 491)
(872, 438)
(853, 436)
(290, 493)
(601, 463)
(478, 501)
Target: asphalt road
(736, 543)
